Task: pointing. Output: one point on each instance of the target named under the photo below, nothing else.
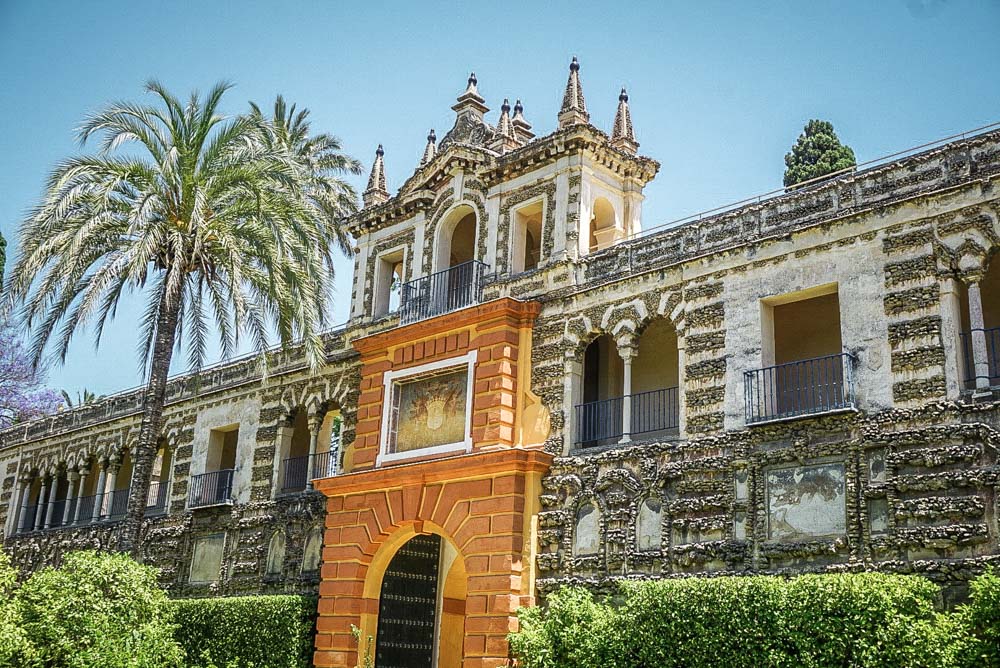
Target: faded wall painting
(805, 502)
(431, 411)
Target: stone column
(980, 355)
(51, 505)
(71, 476)
(114, 467)
(40, 506)
(315, 423)
(626, 350)
(681, 393)
(82, 475)
(21, 507)
(99, 491)
(951, 329)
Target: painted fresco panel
(806, 502)
(432, 411)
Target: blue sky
(719, 90)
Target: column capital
(627, 350)
(72, 475)
(315, 420)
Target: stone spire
(376, 192)
(504, 139)
(470, 102)
(522, 128)
(622, 135)
(431, 149)
(574, 107)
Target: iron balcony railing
(211, 489)
(326, 465)
(804, 387)
(603, 421)
(442, 292)
(992, 336)
(656, 410)
(296, 474)
(156, 498)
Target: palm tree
(209, 219)
(82, 399)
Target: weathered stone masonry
(808, 383)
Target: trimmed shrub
(98, 610)
(246, 631)
(866, 620)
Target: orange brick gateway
(453, 594)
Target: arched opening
(988, 304)
(115, 499)
(598, 419)
(456, 239)
(604, 228)
(328, 446)
(295, 453)
(159, 481)
(408, 605)
(655, 391)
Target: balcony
(156, 498)
(603, 422)
(991, 372)
(211, 489)
(81, 511)
(296, 470)
(805, 387)
(442, 292)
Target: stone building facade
(534, 390)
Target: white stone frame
(391, 377)
(376, 285)
(512, 226)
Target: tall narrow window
(388, 283)
(526, 242)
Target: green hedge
(865, 620)
(248, 632)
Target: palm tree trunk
(144, 452)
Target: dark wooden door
(408, 606)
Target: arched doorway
(408, 605)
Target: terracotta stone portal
(482, 500)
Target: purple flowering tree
(22, 393)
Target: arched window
(604, 228)
(456, 239)
(587, 535)
(312, 554)
(275, 553)
(648, 526)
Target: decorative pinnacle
(574, 107)
(470, 101)
(376, 193)
(622, 135)
(522, 128)
(430, 150)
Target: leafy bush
(97, 610)
(981, 616)
(866, 620)
(249, 632)
(14, 648)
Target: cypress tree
(817, 152)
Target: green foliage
(249, 632)
(817, 152)
(14, 648)
(981, 616)
(866, 620)
(97, 610)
